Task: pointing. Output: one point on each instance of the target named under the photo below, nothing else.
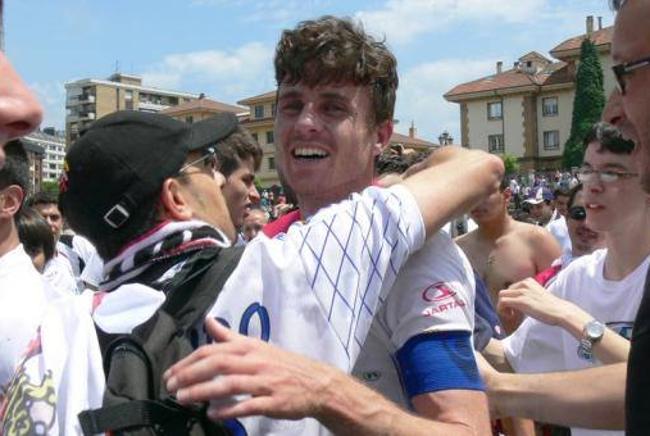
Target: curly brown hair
(337, 50)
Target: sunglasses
(577, 213)
(624, 69)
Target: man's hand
(530, 298)
(280, 384)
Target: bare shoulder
(467, 240)
(530, 231)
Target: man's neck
(312, 203)
(626, 250)
(493, 230)
(8, 237)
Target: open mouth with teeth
(309, 153)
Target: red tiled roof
(204, 103)
(255, 98)
(599, 37)
(407, 140)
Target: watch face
(594, 330)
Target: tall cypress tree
(588, 103)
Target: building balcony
(82, 116)
(151, 107)
(75, 100)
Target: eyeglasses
(578, 213)
(586, 175)
(622, 70)
(209, 160)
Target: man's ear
(11, 199)
(173, 201)
(384, 131)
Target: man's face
(541, 211)
(491, 208)
(615, 206)
(240, 192)
(631, 42)
(326, 147)
(561, 204)
(20, 113)
(203, 189)
(583, 239)
(51, 214)
(253, 223)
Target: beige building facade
(526, 110)
(90, 99)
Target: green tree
(511, 163)
(588, 103)
(51, 187)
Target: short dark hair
(34, 233)
(616, 5)
(391, 163)
(561, 192)
(572, 194)
(42, 197)
(609, 138)
(237, 147)
(337, 50)
(16, 168)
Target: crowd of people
(380, 292)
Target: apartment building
(526, 110)
(202, 108)
(35, 155)
(91, 99)
(52, 143)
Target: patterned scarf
(166, 256)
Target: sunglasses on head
(577, 213)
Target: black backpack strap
(166, 417)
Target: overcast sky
(224, 48)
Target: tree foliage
(588, 103)
(511, 163)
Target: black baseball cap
(124, 158)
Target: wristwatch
(592, 333)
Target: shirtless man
(538, 246)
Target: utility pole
(2, 26)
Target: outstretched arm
(452, 181)
(596, 398)
(530, 298)
(284, 385)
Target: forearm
(496, 357)
(612, 348)
(455, 181)
(351, 408)
(595, 398)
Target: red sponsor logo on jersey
(443, 298)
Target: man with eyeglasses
(577, 322)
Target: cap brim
(212, 130)
(533, 201)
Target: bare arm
(284, 385)
(496, 357)
(451, 182)
(545, 248)
(465, 411)
(530, 298)
(595, 399)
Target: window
(552, 140)
(259, 111)
(495, 110)
(495, 144)
(254, 135)
(271, 163)
(549, 107)
(269, 137)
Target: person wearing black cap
(146, 190)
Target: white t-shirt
(560, 232)
(434, 292)
(59, 275)
(86, 264)
(22, 302)
(537, 347)
(313, 290)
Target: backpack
(136, 401)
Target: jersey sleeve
(434, 292)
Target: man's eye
(334, 109)
(291, 107)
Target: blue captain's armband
(439, 361)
